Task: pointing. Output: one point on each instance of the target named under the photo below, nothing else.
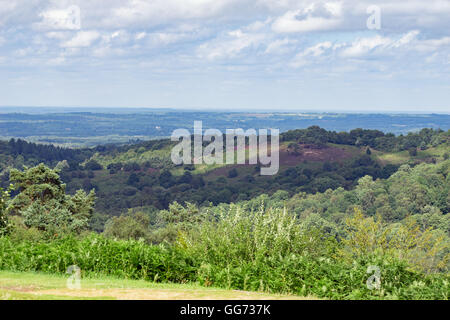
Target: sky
(358, 56)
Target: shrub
(128, 226)
(267, 250)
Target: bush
(128, 226)
(267, 250)
(261, 250)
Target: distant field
(39, 286)
(90, 127)
(403, 156)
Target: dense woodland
(341, 202)
(142, 175)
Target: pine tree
(43, 203)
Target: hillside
(141, 176)
(341, 205)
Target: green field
(41, 286)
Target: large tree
(44, 204)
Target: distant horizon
(312, 56)
(235, 110)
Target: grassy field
(40, 286)
(404, 157)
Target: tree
(176, 220)
(93, 165)
(370, 236)
(128, 226)
(233, 173)
(133, 179)
(185, 178)
(166, 179)
(412, 152)
(43, 203)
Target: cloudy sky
(227, 54)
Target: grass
(404, 157)
(42, 286)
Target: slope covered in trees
(321, 244)
(142, 177)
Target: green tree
(93, 165)
(43, 203)
(233, 173)
(128, 226)
(176, 220)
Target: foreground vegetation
(270, 259)
(267, 249)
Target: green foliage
(263, 250)
(20, 232)
(43, 204)
(129, 226)
(422, 190)
(268, 250)
(422, 250)
(304, 238)
(96, 254)
(176, 220)
(5, 226)
(370, 138)
(233, 173)
(93, 165)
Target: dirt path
(164, 294)
(39, 286)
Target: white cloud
(407, 38)
(363, 46)
(68, 18)
(57, 35)
(140, 35)
(305, 57)
(141, 12)
(233, 44)
(82, 39)
(279, 46)
(315, 17)
(431, 44)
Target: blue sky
(227, 54)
